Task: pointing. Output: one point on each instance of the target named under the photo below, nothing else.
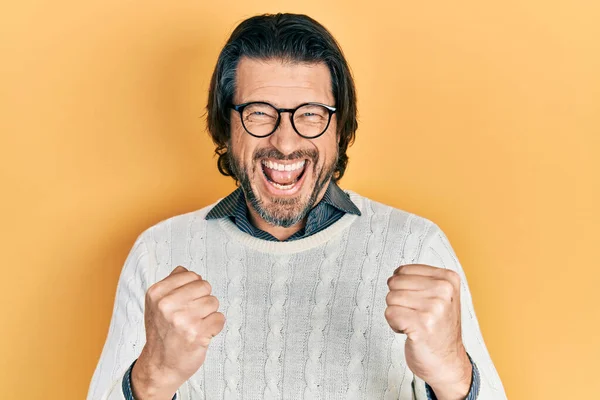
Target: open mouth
(284, 176)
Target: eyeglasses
(309, 120)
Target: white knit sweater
(304, 319)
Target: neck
(280, 232)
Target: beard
(276, 211)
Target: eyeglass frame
(240, 109)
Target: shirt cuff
(127, 392)
(473, 391)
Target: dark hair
(292, 38)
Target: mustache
(311, 154)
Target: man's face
(284, 174)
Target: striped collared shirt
(331, 208)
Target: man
(291, 287)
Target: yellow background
(482, 116)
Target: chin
(282, 209)
(282, 192)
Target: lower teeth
(283, 187)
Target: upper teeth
(284, 167)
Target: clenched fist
(424, 303)
(181, 318)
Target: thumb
(178, 269)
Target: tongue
(282, 177)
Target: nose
(285, 139)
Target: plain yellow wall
(482, 116)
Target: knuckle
(453, 276)
(400, 269)
(389, 298)
(445, 289)
(389, 313)
(164, 306)
(192, 334)
(213, 303)
(206, 286)
(209, 304)
(220, 320)
(180, 321)
(437, 307)
(191, 275)
(203, 340)
(429, 321)
(152, 292)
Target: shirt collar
(227, 206)
(339, 199)
(333, 196)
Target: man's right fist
(181, 318)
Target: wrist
(458, 387)
(150, 383)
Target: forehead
(282, 83)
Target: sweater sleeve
(126, 334)
(438, 252)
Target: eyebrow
(277, 106)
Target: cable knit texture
(304, 319)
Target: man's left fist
(424, 304)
